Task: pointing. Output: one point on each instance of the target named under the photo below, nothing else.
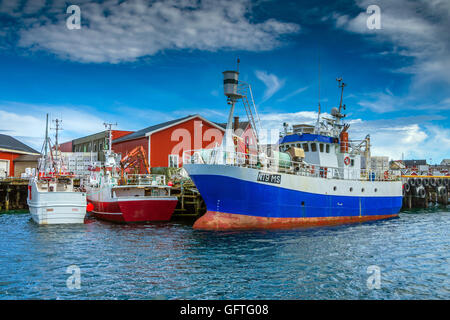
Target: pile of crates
(79, 163)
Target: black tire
(420, 192)
(433, 182)
(407, 187)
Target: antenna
(341, 85)
(318, 114)
(108, 127)
(58, 123)
(238, 62)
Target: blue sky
(139, 63)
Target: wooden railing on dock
(190, 202)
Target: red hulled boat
(115, 195)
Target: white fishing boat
(52, 196)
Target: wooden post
(7, 199)
(17, 198)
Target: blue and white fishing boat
(314, 176)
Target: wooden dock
(418, 192)
(13, 194)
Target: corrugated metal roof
(242, 125)
(412, 163)
(27, 158)
(8, 142)
(141, 133)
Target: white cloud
(116, 31)
(30, 128)
(414, 137)
(272, 83)
(416, 29)
(294, 93)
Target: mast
(46, 136)
(108, 127)
(341, 85)
(43, 163)
(318, 114)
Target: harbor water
(173, 261)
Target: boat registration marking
(270, 178)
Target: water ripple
(173, 261)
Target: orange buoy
(89, 207)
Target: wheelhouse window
(173, 161)
(321, 147)
(313, 147)
(327, 148)
(305, 147)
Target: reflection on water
(173, 261)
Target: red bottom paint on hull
(135, 211)
(213, 220)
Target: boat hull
(56, 207)
(54, 213)
(135, 211)
(236, 198)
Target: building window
(352, 163)
(313, 147)
(95, 147)
(305, 147)
(173, 161)
(327, 147)
(100, 147)
(321, 147)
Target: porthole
(334, 188)
(376, 190)
(351, 189)
(303, 203)
(362, 190)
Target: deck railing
(145, 179)
(278, 165)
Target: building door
(4, 168)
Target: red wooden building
(10, 150)
(165, 143)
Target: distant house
(15, 153)
(397, 165)
(94, 143)
(243, 130)
(409, 164)
(445, 162)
